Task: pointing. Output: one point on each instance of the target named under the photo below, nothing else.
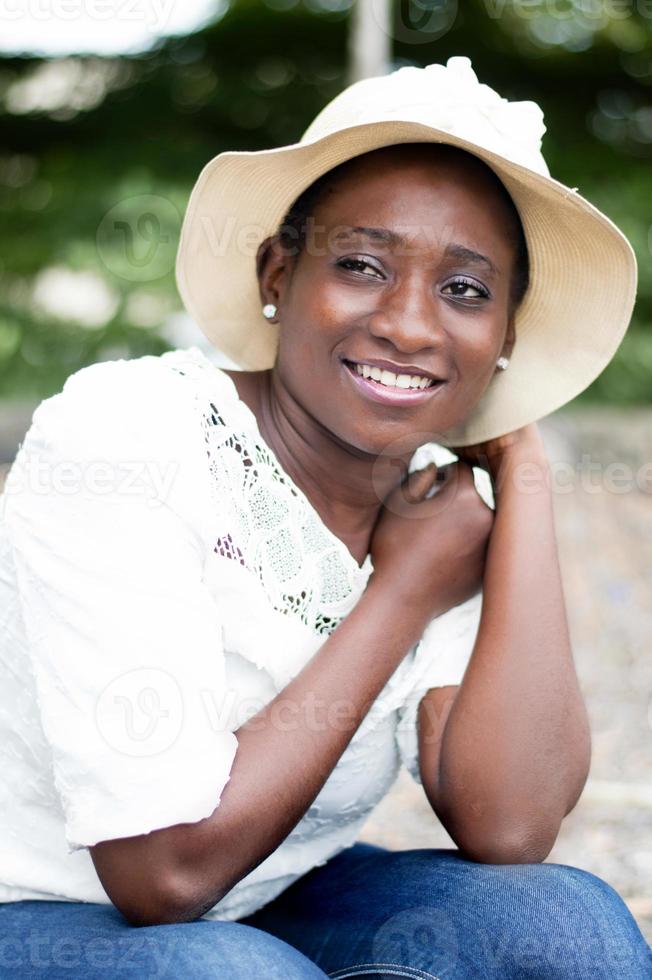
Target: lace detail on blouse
(305, 570)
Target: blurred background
(108, 111)
(99, 146)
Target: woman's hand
(430, 551)
(490, 455)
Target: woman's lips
(377, 392)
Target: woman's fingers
(418, 483)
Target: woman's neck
(346, 487)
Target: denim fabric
(66, 940)
(429, 913)
(367, 913)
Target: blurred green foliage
(83, 136)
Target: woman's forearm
(285, 754)
(515, 750)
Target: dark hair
(293, 228)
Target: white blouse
(162, 578)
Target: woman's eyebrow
(469, 255)
(378, 234)
(392, 238)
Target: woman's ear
(272, 270)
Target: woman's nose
(408, 318)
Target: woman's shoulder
(143, 411)
(129, 419)
(127, 381)
(152, 398)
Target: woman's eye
(359, 265)
(466, 289)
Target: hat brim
(582, 269)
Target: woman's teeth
(392, 380)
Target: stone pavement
(602, 477)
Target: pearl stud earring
(269, 311)
(502, 363)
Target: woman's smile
(389, 388)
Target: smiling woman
(214, 673)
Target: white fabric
(455, 101)
(161, 579)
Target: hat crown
(448, 98)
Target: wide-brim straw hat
(582, 268)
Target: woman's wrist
(411, 607)
(522, 466)
(387, 596)
(514, 457)
(490, 455)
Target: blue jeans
(366, 913)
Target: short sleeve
(441, 658)
(103, 509)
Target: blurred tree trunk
(370, 39)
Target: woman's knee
(97, 944)
(208, 950)
(571, 924)
(540, 920)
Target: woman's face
(408, 260)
